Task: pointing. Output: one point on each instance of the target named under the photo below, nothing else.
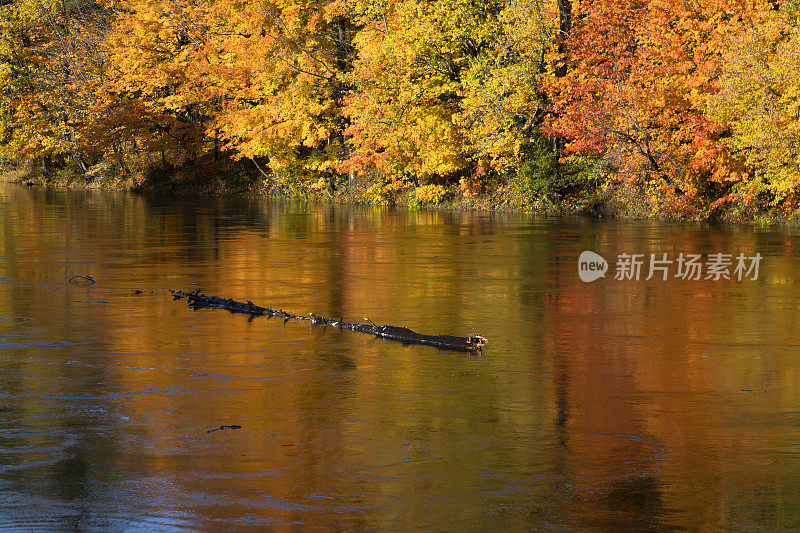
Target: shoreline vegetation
(234, 180)
(611, 108)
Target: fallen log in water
(394, 333)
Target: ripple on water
(5, 344)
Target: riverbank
(600, 197)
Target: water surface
(618, 404)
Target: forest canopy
(676, 107)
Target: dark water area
(613, 405)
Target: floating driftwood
(82, 279)
(224, 427)
(393, 333)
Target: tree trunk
(564, 29)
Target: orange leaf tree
(639, 76)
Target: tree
(279, 71)
(153, 106)
(51, 64)
(416, 62)
(760, 102)
(637, 86)
(504, 102)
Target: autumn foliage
(691, 106)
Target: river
(615, 404)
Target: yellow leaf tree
(410, 85)
(760, 101)
(153, 107)
(51, 65)
(279, 71)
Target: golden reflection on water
(635, 405)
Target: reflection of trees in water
(659, 363)
(571, 404)
(307, 408)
